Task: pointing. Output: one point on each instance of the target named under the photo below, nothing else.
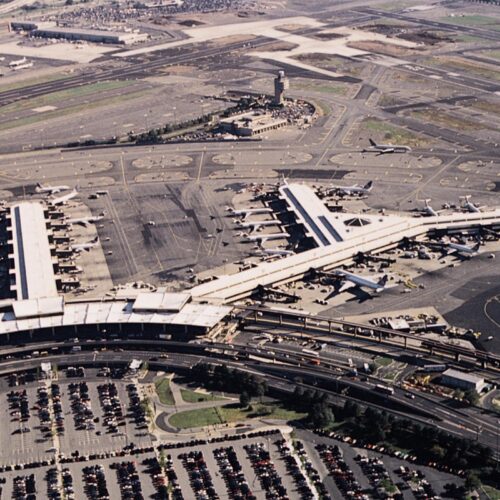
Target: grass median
(164, 392)
(232, 413)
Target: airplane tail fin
(383, 280)
(38, 185)
(373, 143)
(368, 186)
(476, 246)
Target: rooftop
(112, 312)
(157, 301)
(33, 268)
(467, 377)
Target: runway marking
(200, 167)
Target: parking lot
(86, 434)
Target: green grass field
(195, 397)
(63, 95)
(392, 133)
(473, 20)
(57, 113)
(382, 361)
(231, 413)
(492, 493)
(164, 392)
(33, 81)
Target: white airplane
(18, 62)
(85, 246)
(62, 200)
(249, 211)
(469, 206)
(355, 190)
(85, 221)
(351, 280)
(40, 188)
(254, 225)
(428, 210)
(276, 251)
(382, 149)
(265, 237)
(462, 249)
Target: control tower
(281, 83)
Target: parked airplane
(265, 237)
(85, 221)
(62, 200)
(351, 279)
(428, 210)
(40, 188)
(469, 206)
(451, 248)
(254, 225)
(85, 246)
(248, 211)
(276, 251)
(382, 149)
(355, 190)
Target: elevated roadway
(370, 333)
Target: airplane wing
(386, 150)
(346, 285)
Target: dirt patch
(387, 49)
(226, 40)
(190, 23)
(483, 105)
(410, 33)
(332, 63)
(437, 117)
(382, 131)
(279, 46)
(291, 28)
(482, 70)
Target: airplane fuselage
(360, 281)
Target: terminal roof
(157, 301)
(33, 266)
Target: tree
(437, 452)
(472, 482)
(472, 397)
(321, 415)
(245, 399)
(351, 409)
(261, 390)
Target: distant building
(252, 123)
(49, 30)
(281, 83)
(461, 380)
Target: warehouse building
(461, 380)
(49, 30)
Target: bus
(434, 368)
(384, 389)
